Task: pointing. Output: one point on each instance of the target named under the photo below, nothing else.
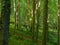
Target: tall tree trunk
(58, 22)
(45, 24)
(37, 15)
(0, 17)
(5, 20)
(18, 9)
(33, 20)
(16, 15)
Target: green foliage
(23, 36)
(25, 10)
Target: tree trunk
(33, 20)
(37, 15)
(58, 22)
(45, 24)
(16, 15)
(5, 20)
(18, 9)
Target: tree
(33, 19)
(18, 20)
(37, 15)
(58, 22)
(0, 16)
(5, 20)
(16, 15)
(45, 23)
(0, 21)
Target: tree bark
(58, 22)
(45, 23)
(37, 15)
(5, 20)
(33, 20)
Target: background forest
(32, 22)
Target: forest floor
(22, 37)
